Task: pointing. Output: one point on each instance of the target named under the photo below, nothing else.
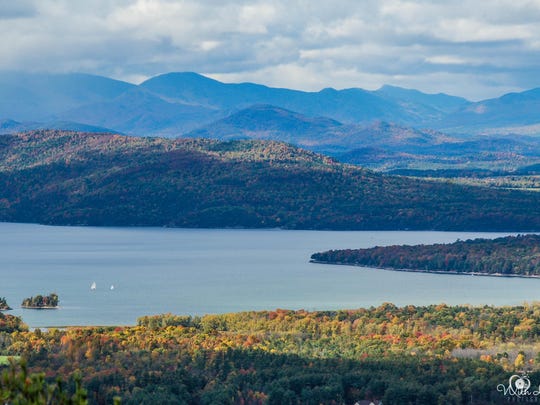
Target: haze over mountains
(373, 128)
(169, 104)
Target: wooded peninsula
(517, 256)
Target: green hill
(56, 177)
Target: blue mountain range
(359, 126)
(175, 104)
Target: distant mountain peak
(180, 76)
(328, 90)
(265, 121)
(282, 112)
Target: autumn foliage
(61, 177)
(429, 355)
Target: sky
(470, 48)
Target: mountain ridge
(346, 123)
(57, 95)
(71, 97)
(70, 178)
(379, 145)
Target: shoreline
(506, 231)
(66, 327)
(35, 307)
(449, 272)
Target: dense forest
(434, 354)
(56, 177)
(509, 256)
(19, 387)
(40, 301)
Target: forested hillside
(56, 177)
(508, 256)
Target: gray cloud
(16, 9)
(470, 48)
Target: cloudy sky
(476, 49)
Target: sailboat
(93, 286)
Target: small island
(511, 256)
(4, 305)
(41, 302)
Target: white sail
(93, 286)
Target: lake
(199, 271)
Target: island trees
(4, 305)
(41, 302)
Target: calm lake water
(192, 271)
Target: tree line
(40, 301)
(509, 256)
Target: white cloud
(446, 60)
(255, 18)
(470, 30)
(209, 45)
(479, 48)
